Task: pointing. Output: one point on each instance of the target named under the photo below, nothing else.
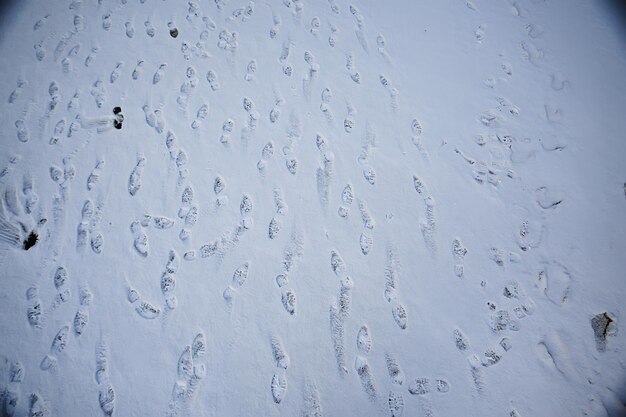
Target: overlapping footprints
(59, 342)
(324, 172)
(187, 88)
(201, 114)
(364, 373)
(188, 212)
(360, 27)
(291, 256)
(106, 392)
(38, 406)
(368, 144)
(366, 241)
(361, 364)
(392, 270)
(500, 321)
(191, 370)
(340, 311)
(82, 317)
(326, 100)
(391, 90)
(144, 308)
(219, 185)
(140, 239)
(36, 317)
(224, 244)
(347, 197)
(237, 281)
(459, 251)
(252, 121)
(396, 374)
(88, 229)
(423, 389)
(312, 406)
(311, 75)
(278, 385)
(395, 402)
(149, 310)
(276, 223)
(179, 156)
(135, 180)
(381, 43)
(15, 94)
(168, 282)
(428, 224)
(11, 393)
(417, 139)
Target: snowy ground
(312, 208)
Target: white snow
(312, 208)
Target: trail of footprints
(459, 251)
(312, 406)
(188, 212)
(366, 241)
(278, 385)
(428, 224)
(398, 311)
(423, 388)
(325, 171)
(237, 281)
(88, 229)
(276, 223)
(11, 392)
(340, 310)
(106, 392)
(501, 323)
(292, 254)
(149, 310)
(36, 316)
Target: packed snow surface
(322, 208)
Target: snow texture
(368, 208)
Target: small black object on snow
(119, 117)
(31, 240)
